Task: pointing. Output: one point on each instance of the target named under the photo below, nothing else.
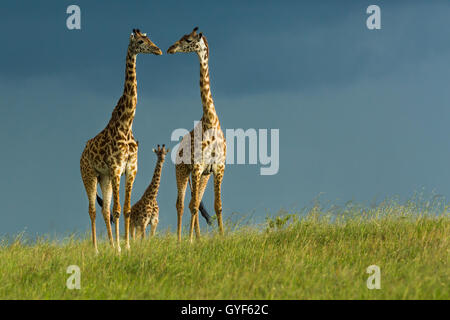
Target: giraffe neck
(151, 192)
(209, 119)
(123, 114)
(130, 74)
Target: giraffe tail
(100, 203)
(205, 213)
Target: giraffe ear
(168, 150)
(154, 150)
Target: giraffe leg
(116, 205)
(132, 231)
(105, 186)
(218, 177)
(130, 177)
(154, 221)
(195, 202)
(142, 231)
(203, 183)
(90, 183)
(197, 227)
(153, 226)
(182, 176)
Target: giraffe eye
(140, 41)
(188, 41)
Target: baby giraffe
(146, 210)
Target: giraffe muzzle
(157, 51)
(171, 50)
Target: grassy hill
(291, 256)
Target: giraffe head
(161, 152)
(140, 43)
(192, 42)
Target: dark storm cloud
(361, 113)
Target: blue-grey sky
(361, 113)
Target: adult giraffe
(113, 151)
(203, 150)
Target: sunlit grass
(319, 254)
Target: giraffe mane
(206, 44)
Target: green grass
(289, 257)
